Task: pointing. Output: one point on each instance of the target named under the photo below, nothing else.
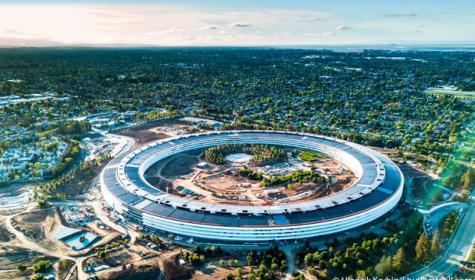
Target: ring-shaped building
(377, 190)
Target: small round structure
(377, 191)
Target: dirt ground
(66, 272)
(11, 257)
(81, 183)
(158, 130)
(39, 226)
(35, 224)
(147, 263)
(143, 136)
(408, 166)
(212, 270)
(5, 236)
(12, 275)
(122, 256)
(149, 132)
(220, 184)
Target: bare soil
(144, 136)
(5, 236)
(143, 268)
(38, 225)
(212, 271)
(82, 182)
(220, 184)
(146, 133)
(11, 257)
(65, 271)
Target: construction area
(189, 175)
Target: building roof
(378, 180)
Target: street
(458, 249)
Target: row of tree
(299, 177)
(370, 255)
(261, 154)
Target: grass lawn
(311, 155)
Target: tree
(422, 248)
(21, 268)
(383, 268)
(361, 274)
(229, 276)
(308, 259)
(232, 262)
(324, 273)
(468, 179)
(434, 245)
(312, 271)
(283, 265)
(251, 275)
(63, 263)
(38, 276)
(249, 259)
(238, 274)
(42, 266)
(399, 261)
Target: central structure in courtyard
(375, 190)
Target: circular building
(378, 189)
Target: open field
(36, 225)
(145, 133)
(454, 93)
(5, 236)
(11, 257)
(139, 262)
(156, 130)
(179, 166)
(212, 271)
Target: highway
(458, 249)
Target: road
(434, 216)
(458, 249)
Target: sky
(236, 23)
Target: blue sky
(211, 22)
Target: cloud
(318, 34)
(17, 33)
(241, 25)
(171, 24)
(211, 27)
(172, 30)
(309, 19)
(342, 27)
(26, 42)
(401, 15)
(14, 32)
